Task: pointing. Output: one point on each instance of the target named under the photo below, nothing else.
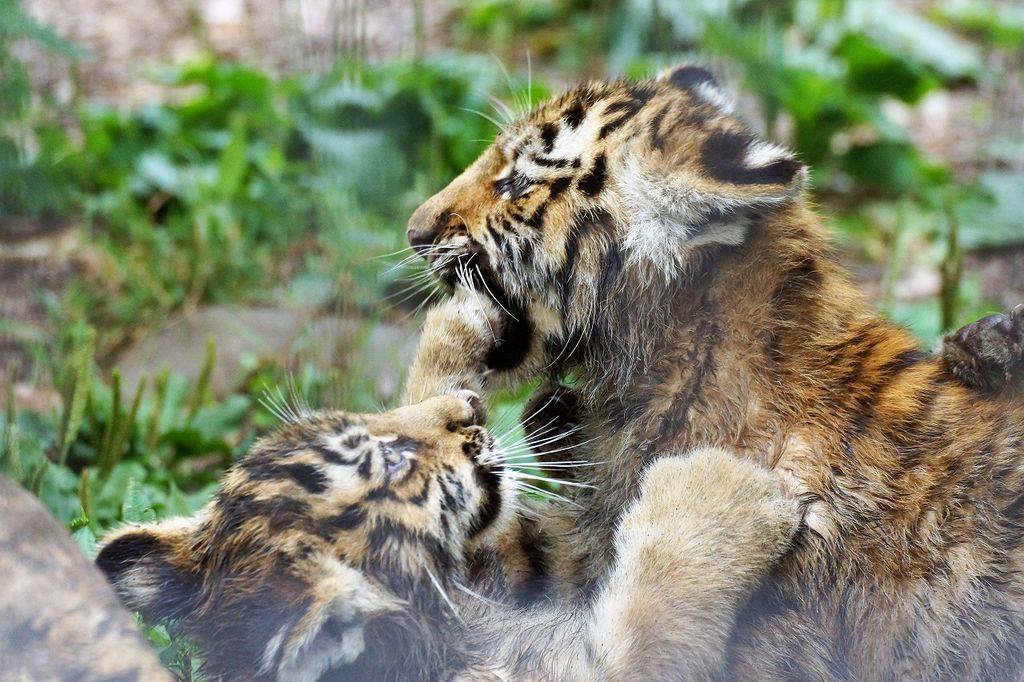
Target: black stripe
(489, 483)
(516, 334)
(308, 476)
(564, 277)
(657, 138)
(611, 267)
(592, 183)
(558, 185)
(916, 435)
(536, 219)
(865, 404)
(548, 133)
(128, 550)
(702, 366)
(534, 547)
(365, 466)
(420, 498)
(381, 493)
(614, 125)
(574, 115)
(496, 237)
(549, 162)
(525, 251)
(629, 108)
(688, 78)
(333, 457)
(724, 157)
(354, 440)
(280, 512)
(350, 518)
(387, 531)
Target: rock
(240, 333)
(62, 621)
(373, 354)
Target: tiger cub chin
(640, 238)
(355, 546)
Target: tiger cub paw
(729, 504)
(988, 355)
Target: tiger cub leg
(988, 355)
(457, 337)
(703, 533)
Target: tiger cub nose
(421, 231)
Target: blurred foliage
(34, 179)
(250, 178)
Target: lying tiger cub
(340, 547)
(642, 239)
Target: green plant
(36, 180)
(107, 457)
(253, 179)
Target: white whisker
(522, 485)
(546, 479)
(491, 293)
(444, 595)
(482, 599)
(484, 116)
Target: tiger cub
(341, 546)
(640, 238)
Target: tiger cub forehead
(573, 126)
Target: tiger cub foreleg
(703, 533)
(457, 337)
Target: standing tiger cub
(640, 237)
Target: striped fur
(639, 237)
(380, 547)
(333, 546)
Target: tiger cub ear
(150, 568)
(714, 151)
(699, 83)
(699, 173)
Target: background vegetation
(248, 186)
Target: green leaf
(137, 506)
(192, 441)
(10, 454)
(233, 163)
(76, 392)
(86, 540)
(222, 418)
(992, 216)
(921, 41)
(873, 68)
(158, 636)
(157, 169)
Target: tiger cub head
(603, 179)
(330, 547)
